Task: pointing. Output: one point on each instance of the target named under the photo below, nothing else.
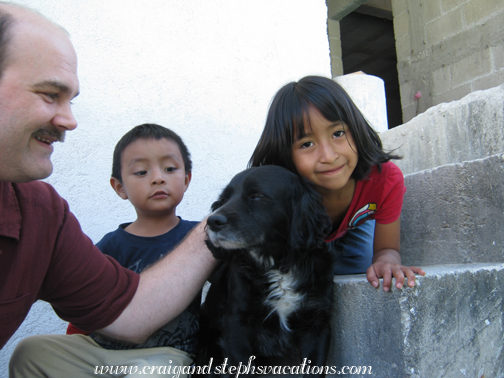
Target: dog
(271, 292)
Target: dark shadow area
(368, 45)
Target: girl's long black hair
(286, 119)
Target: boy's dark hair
(148, 131)
(286, 119)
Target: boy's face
(153, 176)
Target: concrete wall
(447, 49)
(206, 68)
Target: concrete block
(454, 214)
(431, 10)
(333, 29)
(401, 25)
(498, 56)
(398, 7)
(453, 94)
(336, 66)
(443, 27)
(408, 90)
(335, 47)
(441, 80)
(464, 130)
(449, 325)
(410, 111)
(471, 67)
(495, 78)
(403, 47)
(448, 5)
(480, 10)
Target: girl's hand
(387, 260)
(387, 271)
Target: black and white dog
(271, 294)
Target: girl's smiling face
(326, 155)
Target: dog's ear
(310, 222)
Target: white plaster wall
(205, 68)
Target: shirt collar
(10, 212)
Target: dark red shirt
(45, 255)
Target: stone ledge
(449, 325)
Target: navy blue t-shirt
(137, 253)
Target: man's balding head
(14, 15)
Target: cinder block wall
(447, 49)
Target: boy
(152, 169)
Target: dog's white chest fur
(283, 297)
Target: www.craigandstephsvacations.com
(225, 369)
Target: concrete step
(469, 129)
(454, 214)
(449, 325)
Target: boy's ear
(118, 188)
(187, 180)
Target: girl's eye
(306, 145)
(339, 133)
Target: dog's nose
(216, 221)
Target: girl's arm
(387, 260)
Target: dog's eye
(256, 196)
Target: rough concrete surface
(448, 325)
(472, 128)
(454, 214)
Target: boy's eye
(170, 169)
(140, 173)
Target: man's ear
(118, 188)
(188, 177)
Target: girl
(313, 128)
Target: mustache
(50, 131)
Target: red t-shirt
(379, 196)
(45, 255)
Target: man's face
(36, 87)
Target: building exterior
(445, 49)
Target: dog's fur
(271, 293)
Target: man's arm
(165, 289)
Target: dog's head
(266, 211)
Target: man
(43, 253)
